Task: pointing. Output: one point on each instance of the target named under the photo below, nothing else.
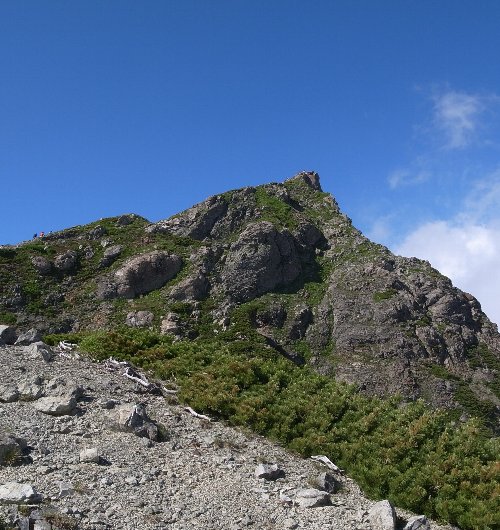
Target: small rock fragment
(268, 472)
(417, 522)
(31, 389)
(8, 393)
(139, 319)
(10, 449)
(312, 498)
(66, 489)
(133, 418)
(90, 456)
(326, 482)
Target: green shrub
(7, 318)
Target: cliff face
(288, 258)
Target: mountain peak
(310, 178)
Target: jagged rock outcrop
(110, 255)
(259, 261)
(66, 262)
(139, 319)
(198, 221)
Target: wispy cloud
(483, 202)
(457, 115)
(407, 177)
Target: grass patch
(275, 210)
(7, 318)
(384, 295)
(438, 370)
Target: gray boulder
(18, 493)
(29, 337)
(97, 232)
(140, 275)
(326, 482)
(67, 261)
(125, 220)
(31, 388)
(192, 288)
(133, 418)
(56, 405)
(110, 255)
(40, 349)
(382, 516)
(269, 472)
(7, 334)
(42, 265)
(64, 398)
(312, 498)
(259, 261)
(170, 325)
(197, 222)
(139, 319)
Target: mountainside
(279, 264)
(82, 466)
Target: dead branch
(196, 414)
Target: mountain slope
(278, 263)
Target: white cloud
(467, 247)
(405, 177)
(457, 114)
(469, 254)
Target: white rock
(312, 498)
(18, 493)
(90, 455)
(382, 516)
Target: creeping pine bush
(416, 457)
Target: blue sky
(148, 107)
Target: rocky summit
(130, 351)
(318, 290)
